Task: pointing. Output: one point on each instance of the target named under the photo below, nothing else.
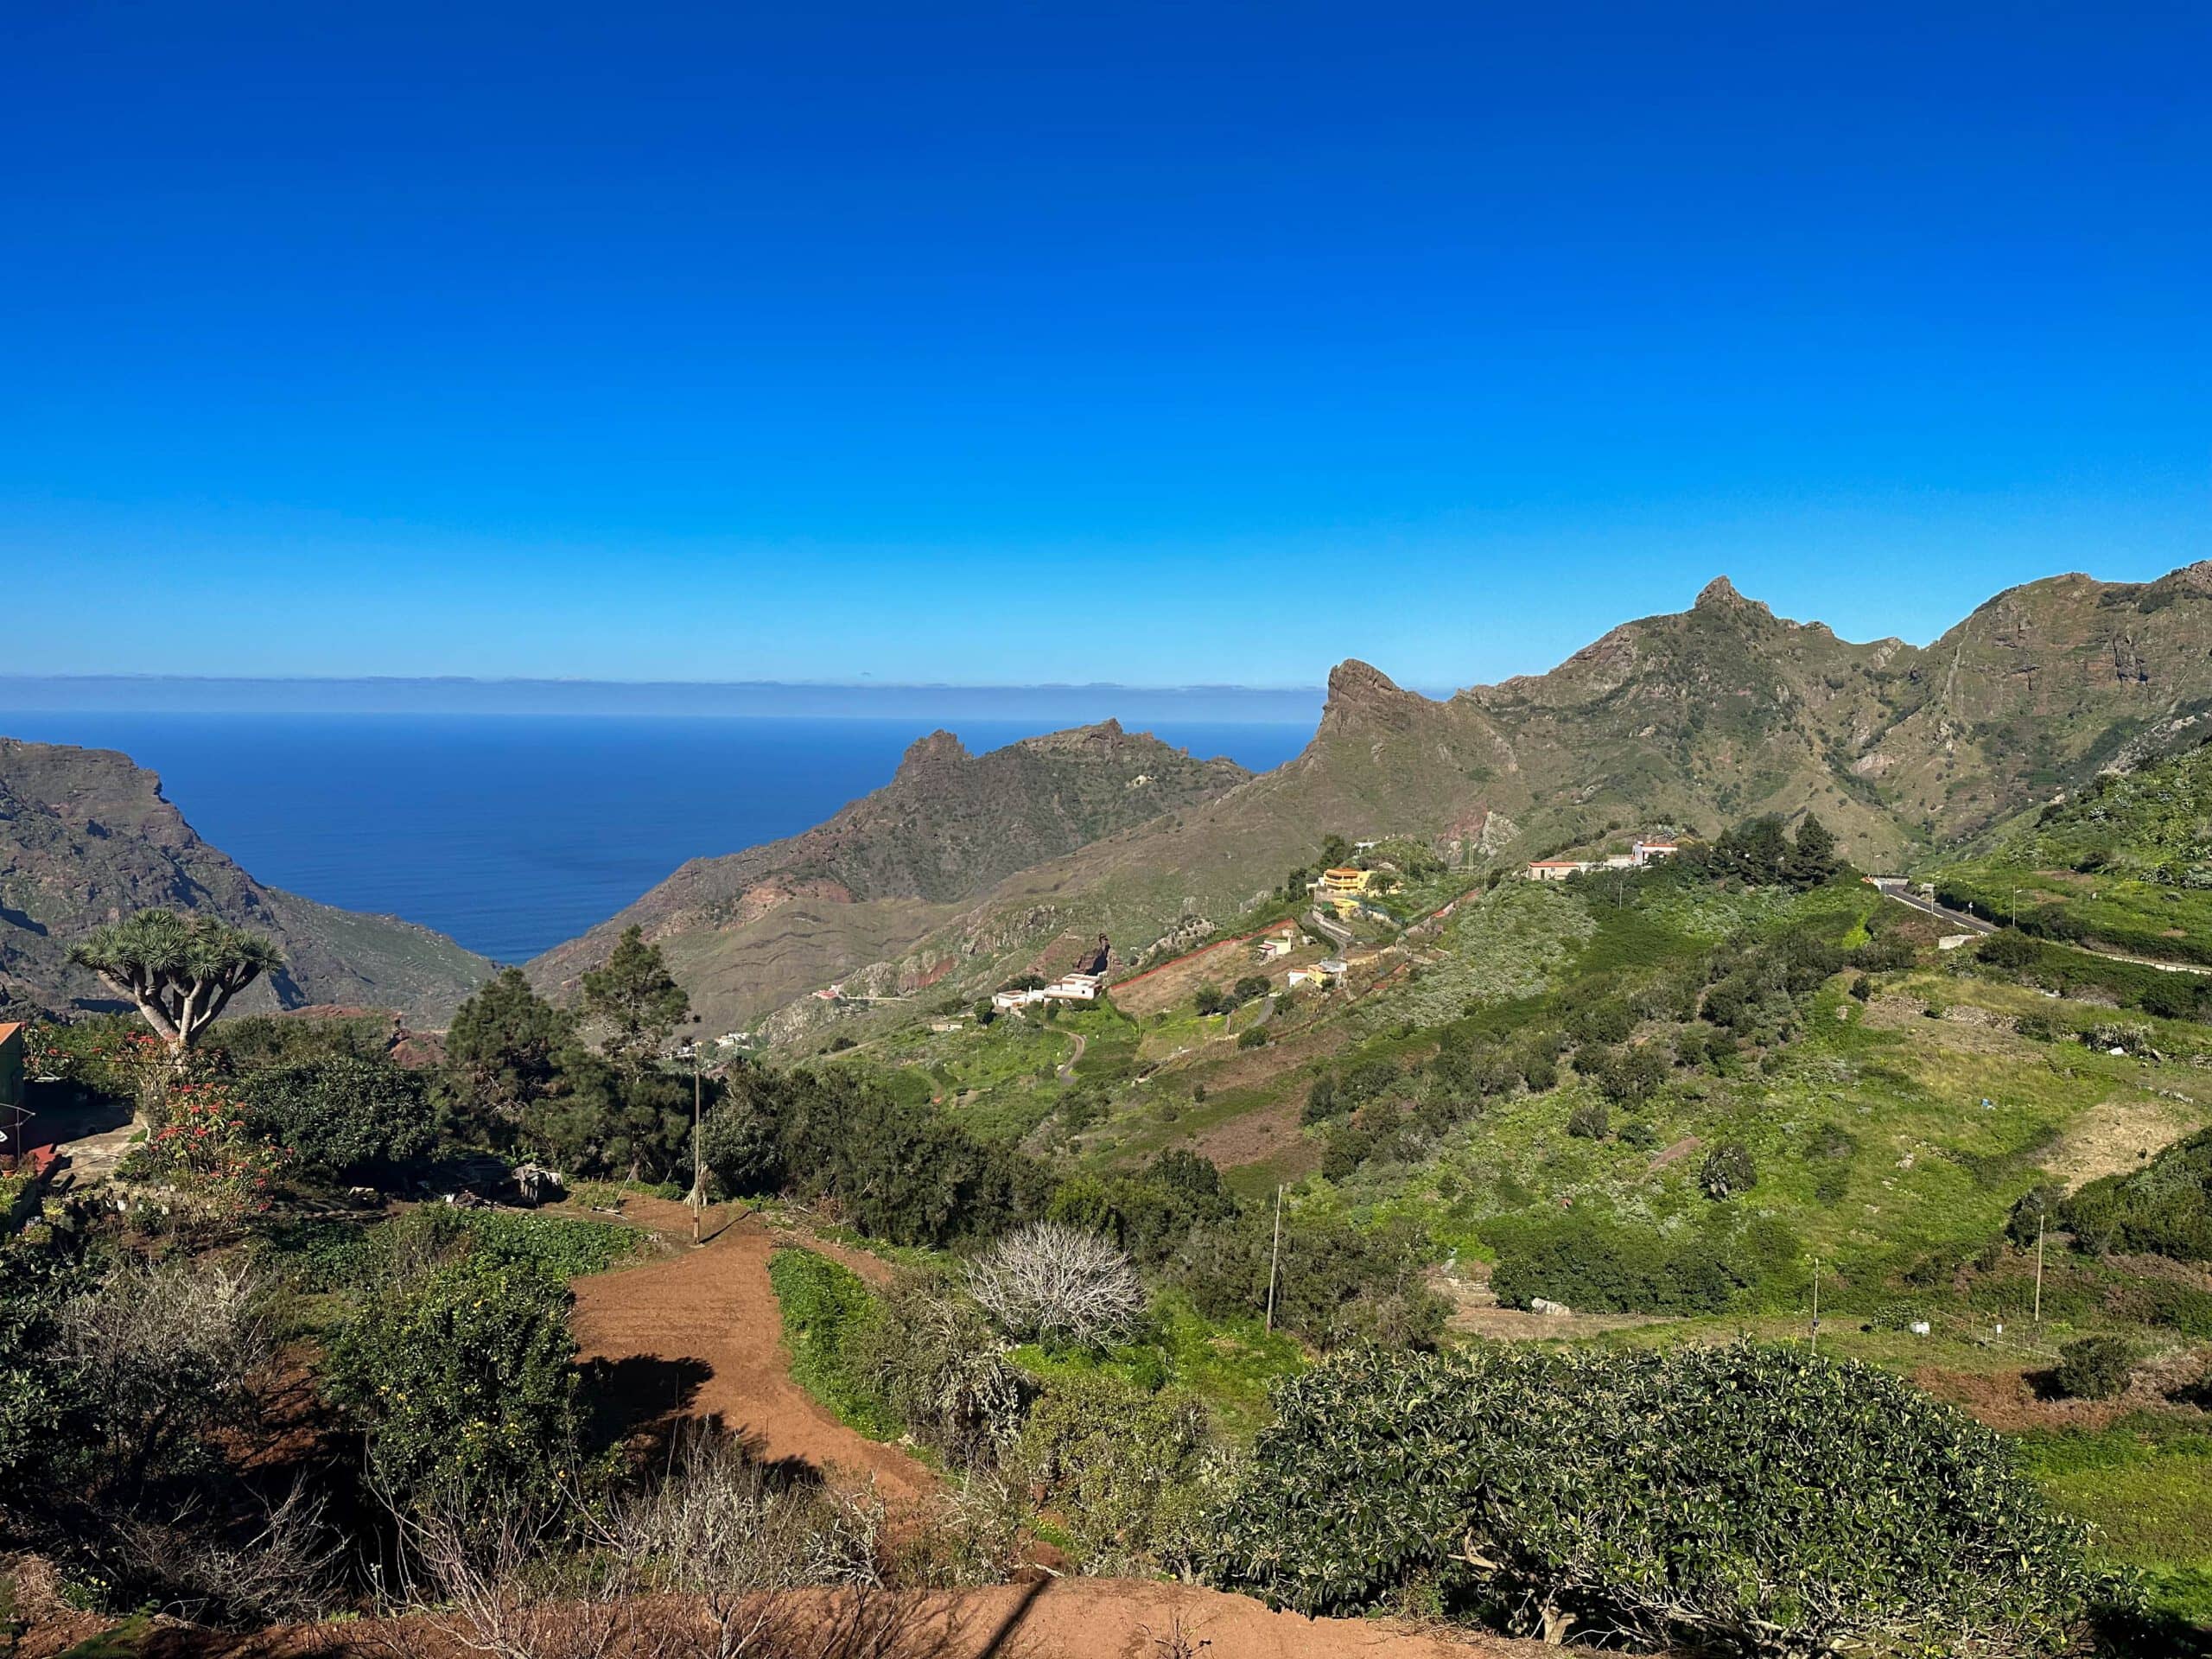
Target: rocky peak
(936, 753)
(1719, 596)
(1362, 695)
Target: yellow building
(1340, 883)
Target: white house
(1068, 987)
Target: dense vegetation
(1738, 1499)
(2126, 861)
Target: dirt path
(700, 1333)
(1059, 1618)
(1067, 1072)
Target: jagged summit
(1721, 596)
(939, 748)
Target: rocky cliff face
(749, 930)
(85, 838)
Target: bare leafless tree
(164, 1351)
(1054, 1283)
(722, 1528)
(285, 1571)
(696, 1565)
(498, 1578)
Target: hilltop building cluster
(1641, 853)
(1084, 984)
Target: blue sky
(1156, 343)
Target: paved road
(1895, 887)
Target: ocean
(512, 832)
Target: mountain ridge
(887, 868)
(1688, 721)
(86, 836)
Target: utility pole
(2039, 1225)
(1275, 1254)
(698, 1175)
(698, 1198)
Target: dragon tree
(180, 972)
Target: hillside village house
(1068, 987)
(1642, 853)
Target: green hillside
(2124, 863)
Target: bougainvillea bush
(1744, 1499)
(209, 1151)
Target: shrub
(1251, 988)
(931, 1357)
(1604, 1266)
(346, 1117)
(1052, 1283)
(2095, 1368)
(163, 1353)
(1129, 1472)
(724, 1528)
(44, 1406)
(1252, 1037)
(1337, 1283)
(897, 1172)
(1743, 1499)
(219, 1164)
(1727, 1171)
(1589, 1121)
(824, 1306)
(464, 1380)
(2164, 1208)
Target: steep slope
(2126, 863)
(2041, 687)
(1694, 720)
(749, 930)
(86, 837)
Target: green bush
(1589, 1121)
(901, 1172)
(824, 1307)
(464, 1380)
(1727, 1171)
(348, 1117)
(41, 1407)
(1604, 1266)
(1742, 1499)
(1129, 1472)
(2095, 1368)
(2164, 1208)
(1337, 1283)
(932, 1359)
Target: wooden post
(1816, 1306)
(2039, 1224)
(1275, 1254)
(698, 1175)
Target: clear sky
(1156, 343)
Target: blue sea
(512, 833)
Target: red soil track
(699, 1334)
